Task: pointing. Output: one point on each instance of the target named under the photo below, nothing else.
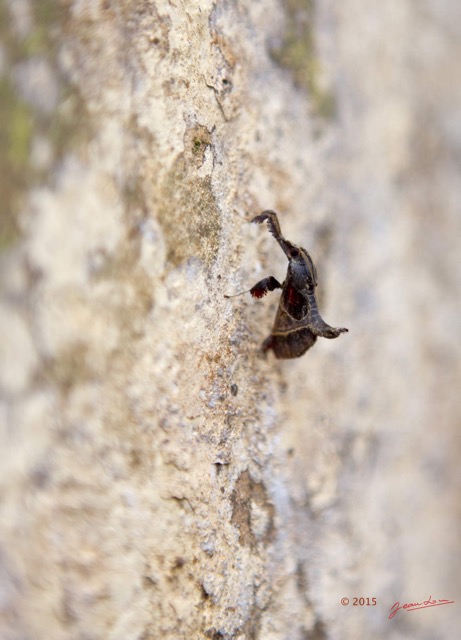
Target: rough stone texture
(158, 478)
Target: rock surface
(158, 477)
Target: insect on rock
(298, 323)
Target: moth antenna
(242, 216)
(235, 295)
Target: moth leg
(274, 228)
(323, 330)
(263, 286)
(272, 222)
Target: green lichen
(298, 53)
(16, 126)
(197, 145)
(50, 19)
(68, 125)
(188, 215)
(196, 140)
(21, 122)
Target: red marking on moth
(258, 292)
(293, 296)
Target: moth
(298, 323)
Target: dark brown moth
(298, 322)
